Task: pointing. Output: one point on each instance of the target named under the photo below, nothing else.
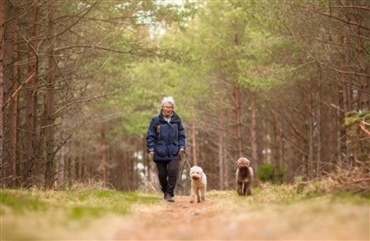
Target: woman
(165, 142)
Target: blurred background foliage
(269, 80)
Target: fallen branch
(359, 180)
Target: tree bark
(221, 147)
(31, 93)
(2, 21)
(253, 133)
(103, 157)
(318, 127)
(10, 84)
(311, 135)
(194, 138)
(62, 157)
(50, 118)
(344, 105)
(237, 121)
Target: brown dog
(244, 176)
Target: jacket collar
(174, 116)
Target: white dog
(198, 184)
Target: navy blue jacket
(165, 138)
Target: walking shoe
(169, 198)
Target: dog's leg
(249, 189)
(198, 195)
(240, 188)
(192, 196)
(203, 194)
(244, 188)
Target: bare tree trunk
(272, 146)
(126, 176)
(13, 115)
(340, 131)
(275, 146)
(318, 128)
(30, 136)
(281, 155)
(292, 153)
(310, 121)
(62, 158)
(13, 106)
(238, 120)
(78, 169)
(50, 118)
(103, 156)
(221, 150)
(193, 139)
(82, 166)
(69, 172)
(8, 49)
(253, 133)
(133, 172)
(2, 21)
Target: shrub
(266, 173)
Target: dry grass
(352, 180)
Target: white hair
(168, 99)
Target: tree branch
(17, 91)
(335, 17)
(363, 128)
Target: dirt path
(170, 221)
(218, 219)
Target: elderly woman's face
(167, 108)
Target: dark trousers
(167, 175)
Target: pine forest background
(284, 83)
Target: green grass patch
(82, 211)
(76, 204)
(21, 201)
(65, 213)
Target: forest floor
(271, 213)
(218, 219)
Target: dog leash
(182, 169)
(186, 159)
